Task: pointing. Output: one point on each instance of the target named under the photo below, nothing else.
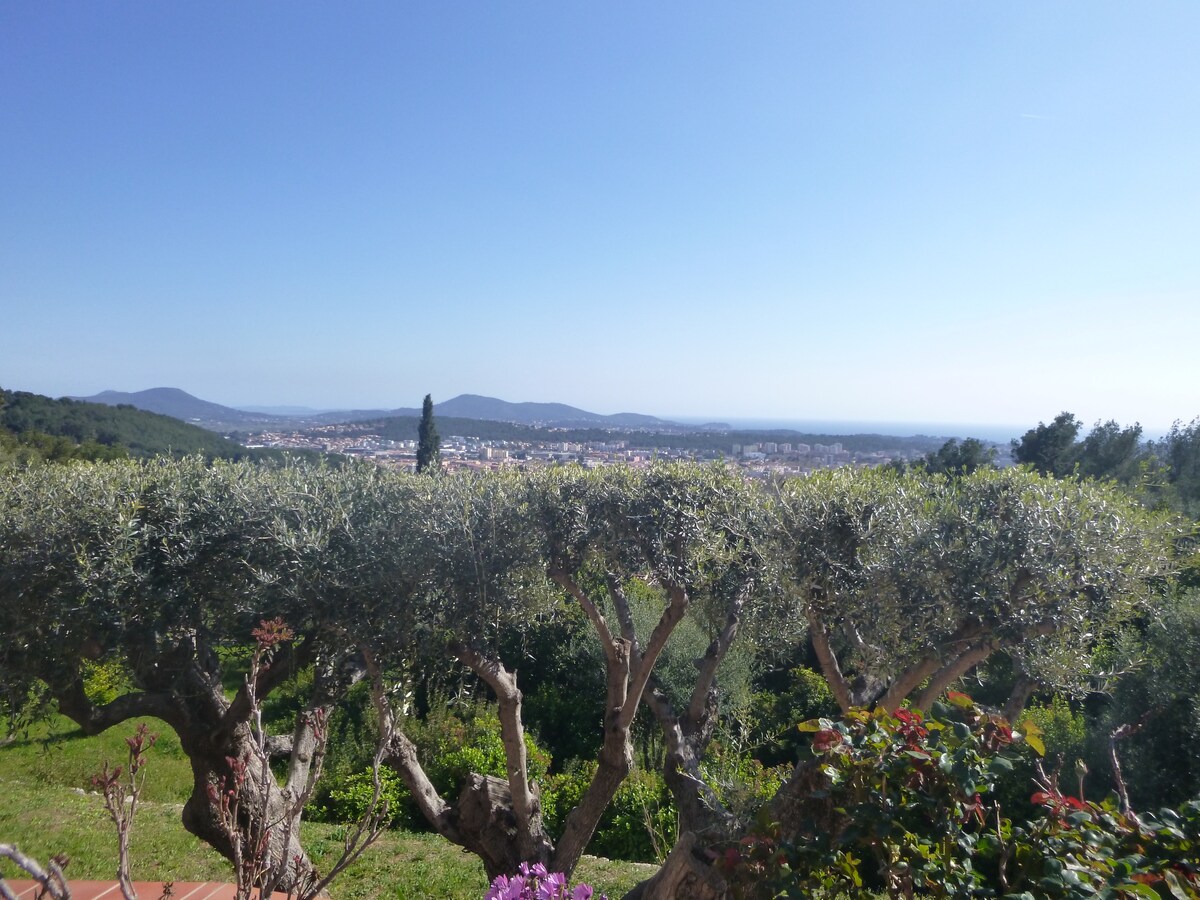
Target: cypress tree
(429, 445)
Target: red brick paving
(146, 890)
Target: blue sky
(936, 212)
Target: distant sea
(1001, 434)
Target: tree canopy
(902, 583)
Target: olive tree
(503, 552)
(165, 568)
(904, 584)
(907, 584)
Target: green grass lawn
(47, 806)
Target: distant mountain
(473, 406)
(181, 405)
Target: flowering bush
(535, 883)
(906, 805)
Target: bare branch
(53, 882)
(531, 840)
(1124, 731)
(643, 665)
(829, 663)
(712, 659)
(75, 705)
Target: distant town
(459, 452)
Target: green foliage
(1050, 449)
(639, 825)
(742, 783)
(562, 791)
(429, 445)
(954, 458)
(907, 806)
(348, 800)
(793, 695)
(163, 566)
(894, 572)
(1162, 698)
(561, 671)
(1179, 451)
(1063, 729)
(1077, 850)
(1107, 452)
(30, 447)
(57, 430)
(455, 740)
(105, 680)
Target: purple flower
(535, 883)
(505, 888)
(553, 887)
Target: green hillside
(34, 426)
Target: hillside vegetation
(33, 426)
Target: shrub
(348, 800)
(741, 782)
(904, 805)
(106, 680)
(454, 741)
(639, 825)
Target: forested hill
(51, 428)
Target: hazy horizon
(1000, 433)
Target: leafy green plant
(350, 799)
(639, 825)
(105, 680)
(741, 782)
(458, 739)
(905, 805)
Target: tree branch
(624, 614)
(401, 755)
(819, 636)
(531, 839)
(643, 663)
(711, 660)
(1018, 697)
(330, 682)
(954, 670)
(568, 584)
(700, 810)
(268, 679)
(928, 667)
(54, 883)
(75, 705)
